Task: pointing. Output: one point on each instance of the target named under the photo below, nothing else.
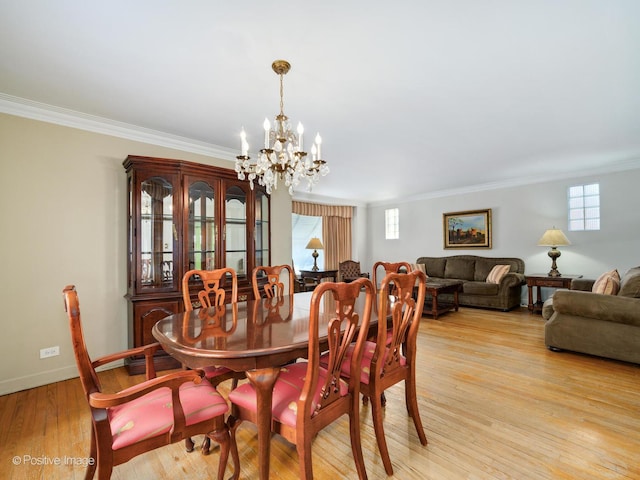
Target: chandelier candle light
(283, 155)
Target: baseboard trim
(13, 385)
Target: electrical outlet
(49, 352)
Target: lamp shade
(554, 237)
(315, 243)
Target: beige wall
(63, 205)
(520, 215)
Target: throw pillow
(419, 266)
(497, 272)
(608, 283)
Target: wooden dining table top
(247, 335)
(253, 336)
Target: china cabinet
(183, 216)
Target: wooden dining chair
(156, 412)
(274, 287)
(388, 362)
(213, 291)
(212, 294)
(308, 397)
(303, 284)
(389, 267)
(349, 270)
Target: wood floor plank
(495, 404)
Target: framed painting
(470, 229)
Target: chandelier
(283, 156)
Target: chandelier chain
(281, 94)
(283, 156)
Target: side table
(319, 274)
(539, 280)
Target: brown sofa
(603, 325)
(472, 270)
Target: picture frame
(469, 229)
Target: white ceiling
(411, 97)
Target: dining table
(256, 336)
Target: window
(303, 229)
(391, 223)
(584, 207)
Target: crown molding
(621, 166)
(23, 107)
(325, 200)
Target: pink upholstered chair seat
(389, 336)
(212, 372)
(152, 415)
(365, 366)
(286, 392)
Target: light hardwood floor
(495, 403)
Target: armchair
(349, 270)
(605, 325)
(154, 413)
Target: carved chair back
(274, 287)
(213, 292)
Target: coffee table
(436, 287)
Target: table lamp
(316, 244)
(554, 237)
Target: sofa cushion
(483, 267)
(480, 288)
(460, 268)
(607, 284)
(497, 272)
(630, 284)
(435, 266)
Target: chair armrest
(147, 350)
(172, 381)
(101, 401)
(512, 279)
(610, 308)
(583, 284)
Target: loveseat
(597, 324)
(473, 271)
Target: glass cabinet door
(235, 230)
(157, 234)
(261, 232)
(201, 227)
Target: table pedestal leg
(263, 381)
